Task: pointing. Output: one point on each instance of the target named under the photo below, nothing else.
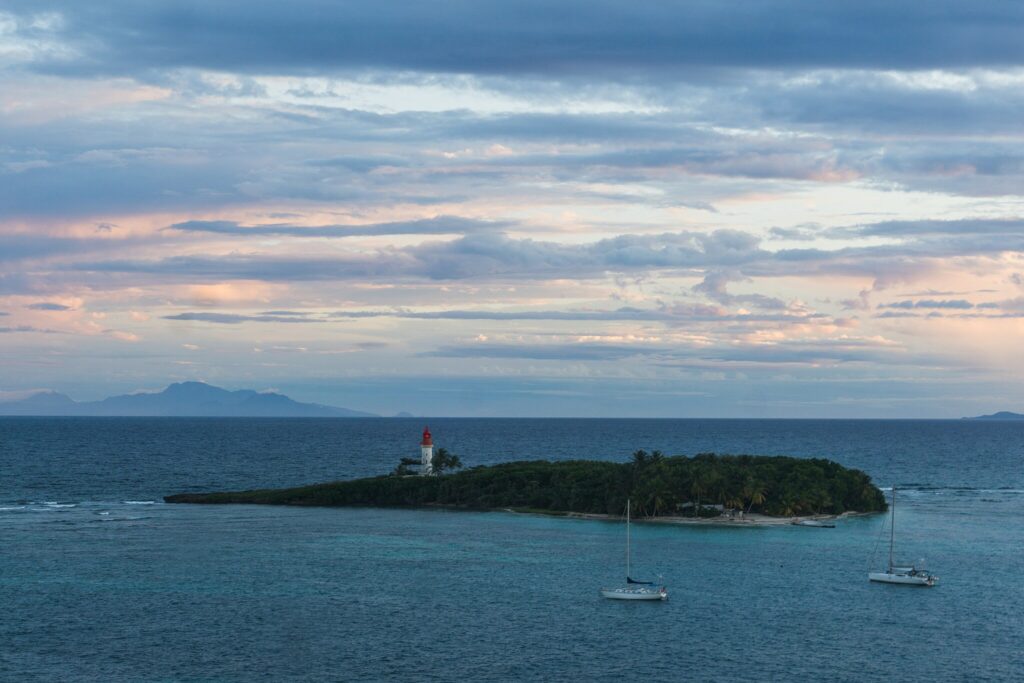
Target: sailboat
(907, 575)
(634, 590)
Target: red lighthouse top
(426, 437)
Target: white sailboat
(634, 590)
(907, 574)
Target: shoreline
(752, 520)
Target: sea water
(99, 580)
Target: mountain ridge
(180, 399)
(1001, 415)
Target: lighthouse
(426, 453)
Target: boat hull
(904, 579)
(634, 594)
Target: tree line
(658, 485)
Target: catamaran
(908, 575)
(634, 590)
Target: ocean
(101, 581)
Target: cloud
(439, 225)
(494, 256)
(794, 234)
(814, 351)
(961, 227)
(235, 319)
(90, 183)
(480, 255)
(47, 306)
(26, 328)
(18, 247)
(1015, 305)
(490, 37)
(678, 313)
(561, 352)
(714, 287)
(956, 304)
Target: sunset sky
(748, 209)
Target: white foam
(140, 502)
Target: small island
(1002, 415)
(741, 489)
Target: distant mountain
(1001, 415)
(184, 399)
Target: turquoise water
(98, 583)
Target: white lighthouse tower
(426, 453)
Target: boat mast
(627, 539)
(892, 527)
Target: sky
(751, 209)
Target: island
(741, 489)
(181, 399)
(1002, 415)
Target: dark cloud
(562, 352)
(1016, 304)
(234, 319)
(678, 313)
(428, 226)
(958, 304)
(624, 313)
(897, 314)
(795, 352)
(25, 328)
(361, 164)
(496, 256)
(47, 306)
(1013, 227)
(712, 155)
(472, 256)
(873, 104)
(118, 181)
(714, 286)
(606, 37)
(19, 247)
(668, 314)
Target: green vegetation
(441, 461)
(658, 485)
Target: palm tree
(443, 460)
(698, 487)
(754, 491)
(657, 495)
(639, 458)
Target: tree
(754, 491)
(657, 495)
(443, 460)
(405, 467)
(698, 487)
(639, 458)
